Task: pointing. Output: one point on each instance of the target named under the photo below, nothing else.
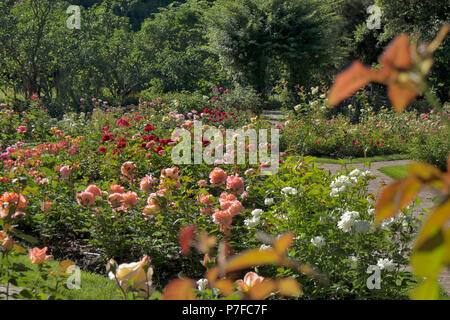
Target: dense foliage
(127, 48)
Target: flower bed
(107, 182)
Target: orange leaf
(395, 197)
(351, 80)
(435, 221)
(204, 242)
(401, 96)
(225, 286)
(397, 55)
(283, 242)
(439, 38)
(424, 171)
(179, 289)
(212, 274)
(261, 290)
(253, 257)
(289, 287)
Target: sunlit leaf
(204, 242)
(435, 221)
(179, 289)
(446, 258)
(395, 197)
(289, 287)
(253, 257)
(225, 251)
(439, 38)
(283, 242)
(397, 55)
(428, 290)
(261, 290)
(225, 286)
(19, 249)
(65, 264)
(349, 81)
(428, 263)
(426, 172)
(212, 274)
(401, 95)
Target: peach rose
(38, 256)
(234, 207)
(130, 199)
(226, 197)
(217, 177)
(115, 200)
(94, 190)
(147, 183)
(223, 219)
(171, 173)
(6, 241)
(115, 188)
(128, 169)
(202, 183)
(151, 209)
(86, 199)
(205, 199)
(235, 184)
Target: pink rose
(115, 188)
(94, 190)
(130, 199)
(115, 200)
(147, 183)
(86, 199)
(217, 177)
(250, 280)
(128, 169)
(65, 171)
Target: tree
(174, 40)
(27, 49)
(253, 38)
(424, 19)
(111, 57)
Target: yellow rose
(134, 271)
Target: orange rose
(39, 256)
(6, 241)
(9, 200)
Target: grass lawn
(363, 160)
(93, 286)
(395, 172)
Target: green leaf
(428, 290)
